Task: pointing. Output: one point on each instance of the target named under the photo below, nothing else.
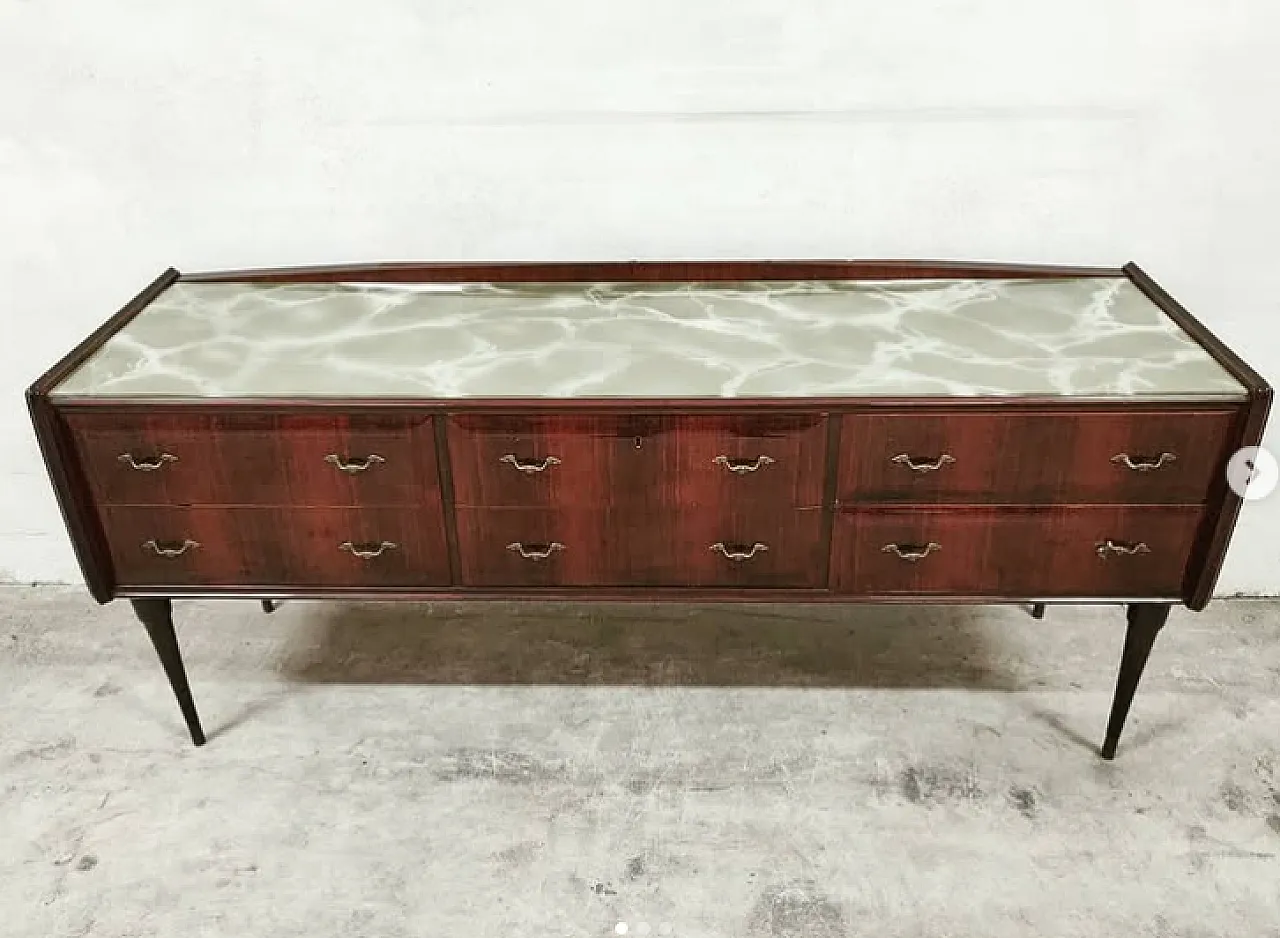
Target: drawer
(1014, 553)
(323, 547)
(1043, 457)
(599, 461)
(502, 547)
(253, 459)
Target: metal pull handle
(150, 464)
(911, 552)
(1139, 464)
(353, 466)
(163, 548)
(535, 552)
(923, 465)
(541, 465)
(733, 552)
(367, 551)
(1109, 547)
(743, 466)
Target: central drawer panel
(618, 460)
(257, 459)
(507, 547)
(1042, 457)
(322, 547)
(1015, 553)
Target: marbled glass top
(1082, 338)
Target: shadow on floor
(748, 645)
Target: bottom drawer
(327, 547)
(1014, 553)
(595, 547)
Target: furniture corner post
(1145, 622)
(157, 616)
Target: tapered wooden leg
(1145, 622)
(157, 616)
(1037, 611)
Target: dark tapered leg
(1037, 611)
(269, 606)
(1145, 622)
(157, 616)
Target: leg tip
(1108, 751)
(197, 737)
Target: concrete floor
(557, 770)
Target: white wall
(136, 135)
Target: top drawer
(1044, 457)
(597, 461)
(257, 459)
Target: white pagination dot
(620, 928)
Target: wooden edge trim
(695, 595)
(1210, 550)
(57, 449)
(623, 271)
(1254, 383)
(95, 340)
(1224, 505)
(543, 405)
(72, 492)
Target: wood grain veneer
(163, 458)
(1045, 552)
(637, 497)
(1049, 456)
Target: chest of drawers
(788, 431)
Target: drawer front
(1014, 553)
(508, 547)
(1041, 458)
(249, 459)
(599, 461)
(322, 547)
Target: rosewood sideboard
(835, 431)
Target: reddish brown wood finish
(1048, 457)
(256, 459)
(648, 459)
(641, 271)
(70, 486)
(1031, 552)
(1211, 547)
(612, 548)
(76, 499)
(292, 547)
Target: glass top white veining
(1080, 338)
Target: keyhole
(638, 442)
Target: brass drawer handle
(736, 554)
(923, 465)
(368, 551)
(163, 548)
(352, 466)
(911, 552)
(534, 552)
(1120, 548)
(147, 464)
(531, 466)
(743, 466)
(1139, 464)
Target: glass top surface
(1094, 337)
